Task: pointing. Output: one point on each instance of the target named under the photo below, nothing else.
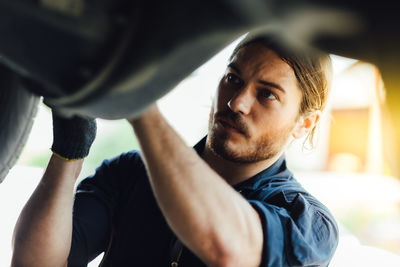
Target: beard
(252, 150)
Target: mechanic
(230, 201)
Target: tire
(18, 108)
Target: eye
(233, 79)
(268, 94)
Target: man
(229, 202)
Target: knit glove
(72, 137)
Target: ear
(306, 123)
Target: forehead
(258, 60)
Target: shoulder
(292, 199)
(115, 173)
(289, 213)
(125, 159)
(127, 162)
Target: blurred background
(348, 170)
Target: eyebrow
(274, 85)
(269, 84)
(233, 66)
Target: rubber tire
(18, 108)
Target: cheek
(267, 124)
(273, 119)
(286, 111)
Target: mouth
(230, 126)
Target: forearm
(211, 218)
(42, 235)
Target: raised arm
(42, 235)
(204, 211)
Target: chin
(239, 153)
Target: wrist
(64, 158)
(147, 116)
(72, 167)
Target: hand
(72, 137)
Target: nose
(242, 101)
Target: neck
(234, 172)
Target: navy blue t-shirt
(115, 212)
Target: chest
(141, 235)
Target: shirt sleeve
(94, 207)
(300, 235)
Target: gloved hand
(72, 137)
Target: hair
(313, 71)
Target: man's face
(256, 106)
